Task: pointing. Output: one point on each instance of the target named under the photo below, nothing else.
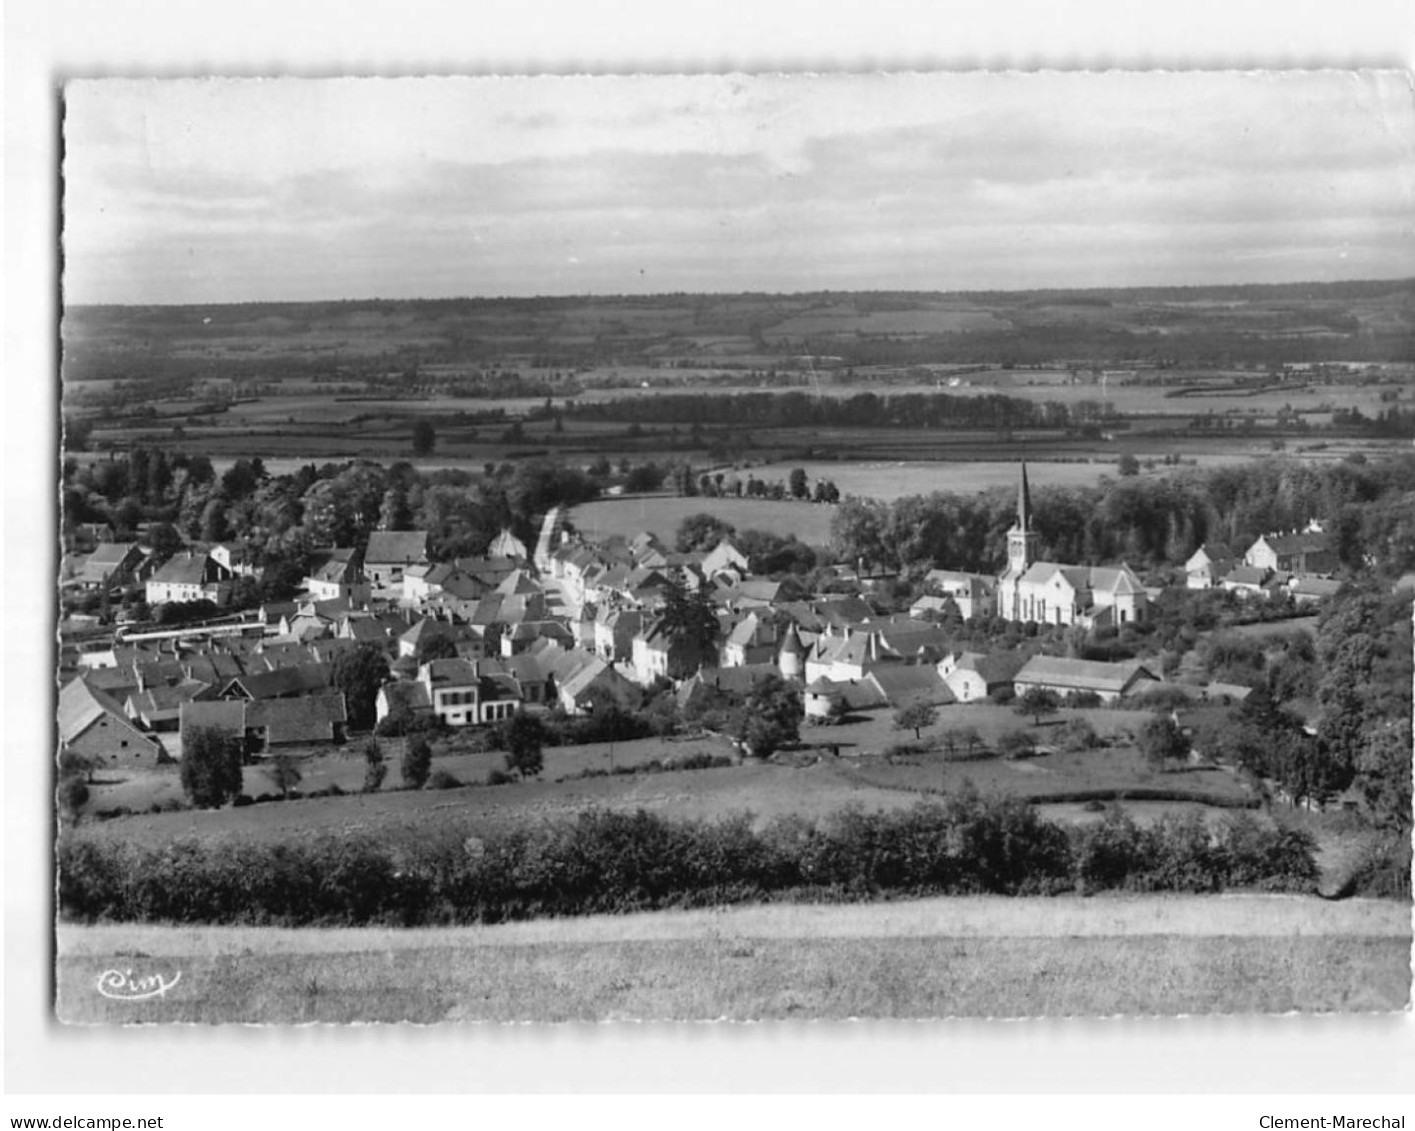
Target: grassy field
(963, 957)
(812, 781)
(662, 514)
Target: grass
(917, 959)
(821, 784)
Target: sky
(236, 190)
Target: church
(1051, 593)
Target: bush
(417, 763)
(441, 779)
(1016, 744)
(1076, 735)
(607, 861)
(497, 777)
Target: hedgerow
(608, 861)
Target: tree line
(1368, 509)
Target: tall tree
(211, 766)
(359, 673)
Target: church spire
(1024, 502)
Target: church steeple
(1022, 539)
(1024, 503)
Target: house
(971, 676)
(725, 560)
(112, 565)
(1208, 564)
(423, 582)
(338, 574)
(614, 632)
(267, 725)
(507, 545)
(1313, 590)
(657, 654)
(1036, 592)
(160, 709)
(225, 715)
(1306, 552)
(388, 555)
(903, 685)
(236, 557)
(402, 695)
(1248, 581)
(282, 683)
(736, 682)
(972, 593)
(91, 724)
(469, 693)
(1065, 676)
(426, 629)
(755, 640)
(190, 576)
(274, 723)
(578, 679)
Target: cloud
(238, 190)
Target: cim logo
(121, 985)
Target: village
(570, 625)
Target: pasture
(930, 958)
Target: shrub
(211, 766)
(607, 861)
(441, 779)
(1016, 744)
(417, 762)
(497, 777)
(1076, 735)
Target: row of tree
(1368, 509)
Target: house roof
(449, 672)
(110, 554)
(189, 569)
(396, 547)
(1082, 675)
(223, 714)
(994, 667)
(409, 692)
(312, 719)
(282, 682)
(212, 667)
(902, 684)
(506, 545)
(1246, 575)
(1315, 587)
(80, 706)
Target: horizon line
(588, 295)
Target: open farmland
(662, 514)
(955, 957)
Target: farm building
(93, 725)
(1064, 676)
(972, 677)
